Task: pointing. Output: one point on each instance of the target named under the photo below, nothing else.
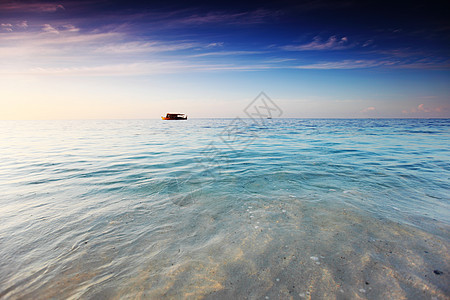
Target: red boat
(175, 117)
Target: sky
(99, 59)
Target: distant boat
(175, 117)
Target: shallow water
(292, 208)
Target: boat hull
(164, 118)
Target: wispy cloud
(345, 64)
(161, 66)
(70, 28)
(227, 53)
(14, 6)
(368, 43)
(368, 109)
(63, 28)
(66, 37)
(66, 44)
(422, 109)
(49, 28)
(213, 45)
(333, 43)
(133, 69)
(217, 17)
(144, 47)
(130, 69)
(432, 64)
(22, 24)
(279, 60)
(7, 27)
(376, 63)
(70, 46)
(398, 52)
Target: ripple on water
(311, 209)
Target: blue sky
(107, 59)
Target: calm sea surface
(215, 208)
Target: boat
(171, 116)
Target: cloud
(368, 109)
(130, 69)
(367, 43)
(218, 17)
(345, 64)
(127, 69)
(6, 27)
(58, 46)
(49, 28)
(23, 24)
(421, 109)
(48, 43)
(78, 40)
(63, 28)
(161, 66)
(226, 53)
(143, 47)
(13, 6)
(70, 28)
(376, 63)
(333, 43)
(279, 60)
(218, 44)
(211, 17)
(437, 64)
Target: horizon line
(208, 118)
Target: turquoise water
(293, 208)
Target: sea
(225, 209)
